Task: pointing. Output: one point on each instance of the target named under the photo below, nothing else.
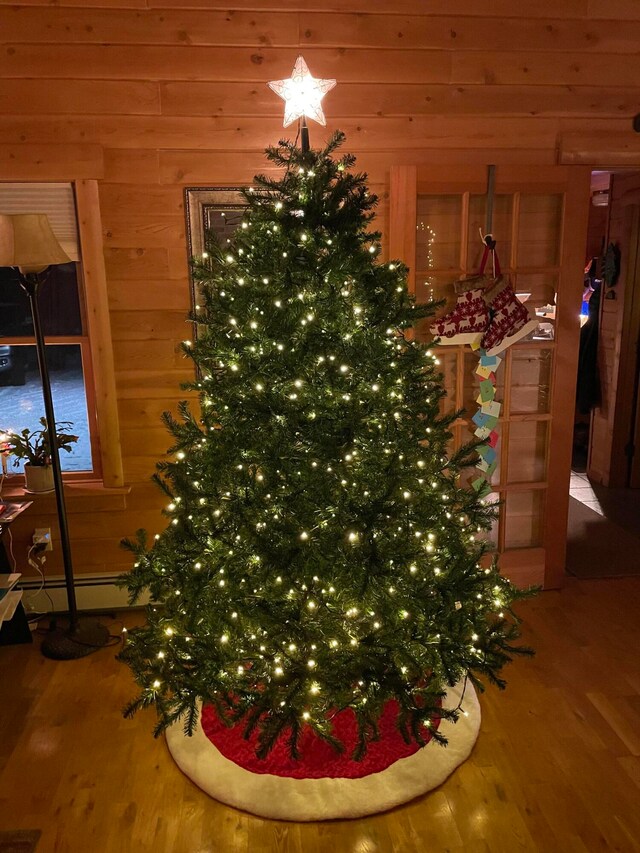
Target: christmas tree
(322, 552)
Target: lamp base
(72, 643)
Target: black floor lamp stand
(78, 638)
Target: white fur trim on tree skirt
(285, 798)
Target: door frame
(545, 564)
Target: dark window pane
(21, 403)
(58, 301)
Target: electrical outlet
(43, 534)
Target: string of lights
(321, 552)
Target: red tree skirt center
(318, 759)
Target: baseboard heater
(93, 592)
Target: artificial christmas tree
(322, 555)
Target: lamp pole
(30, 283)
(29, 246)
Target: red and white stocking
(467, 322)
(510, 321)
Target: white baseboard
(93, 592)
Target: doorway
(603, 536)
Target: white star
(302, 94)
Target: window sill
(80, 496)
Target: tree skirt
(322, 784)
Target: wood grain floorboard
(556, 767)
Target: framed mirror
(210, 210)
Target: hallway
(603, 534)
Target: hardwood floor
(556, 767)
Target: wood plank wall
(148, 96)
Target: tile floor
(619, 506)
(582, 490)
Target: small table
(14, 630)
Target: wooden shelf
(8, 605)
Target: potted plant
(33, 447)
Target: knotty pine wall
(147, 96)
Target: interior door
(632, 309)
(539, 222)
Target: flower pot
(38, 478)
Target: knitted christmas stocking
(510, 321)
(467, 322)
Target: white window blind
(56, 200)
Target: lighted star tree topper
(303, 96)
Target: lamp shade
(27, 242)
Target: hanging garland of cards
(490, 318)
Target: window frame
(95, 342)
(89, 387)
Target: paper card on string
(494, 438)
(491, 408)
(487, 390)
(487, 467)
(481, 486)
(482, 433)
(491, 361)
(484, 421)
(480, 419)
(480, 401)
(484, 372)
(488, 453)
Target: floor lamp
(28, 244)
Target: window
(63, 319)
